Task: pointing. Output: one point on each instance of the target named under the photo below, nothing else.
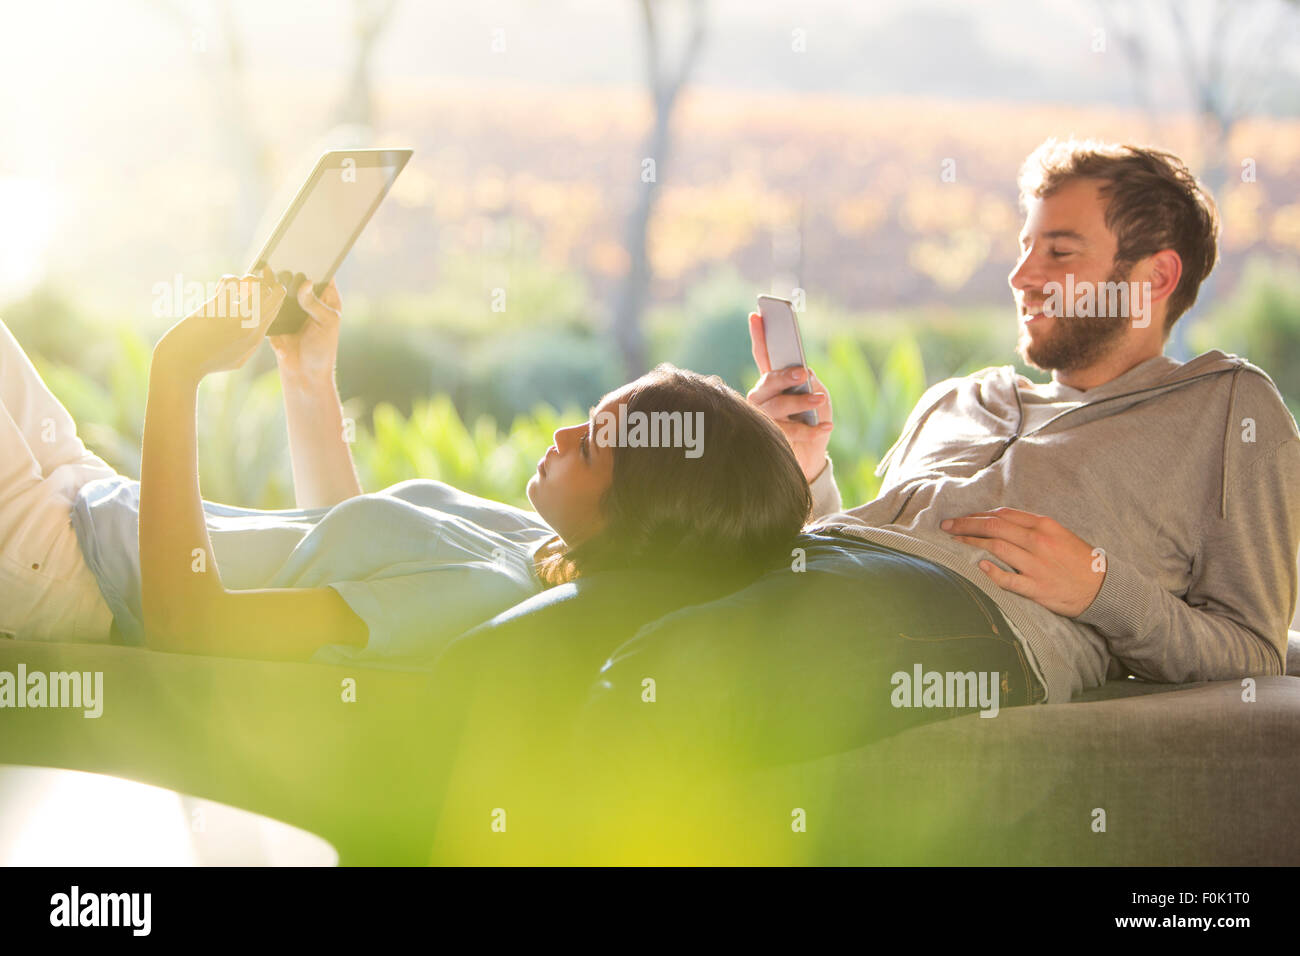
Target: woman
(91, 555)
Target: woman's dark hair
(737, 506)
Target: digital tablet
(324, 220)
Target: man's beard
(1076, 342)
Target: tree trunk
(626, 327)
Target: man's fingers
(1014, 555)
(990, 526)
(796, 432)
(783, 406)
(1017, 583)
(1026, 519)
(771, 384)
(824, 409)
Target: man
(1135, 514)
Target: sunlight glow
(29, 214)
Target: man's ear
(1163, 270)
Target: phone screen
(784, 344)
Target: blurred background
(600, 185)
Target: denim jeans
(700, 684)
(803, 665)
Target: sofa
(522, 742)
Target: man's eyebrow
(1058, 234)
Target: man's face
(1065, 233)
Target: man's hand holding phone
(770, 396)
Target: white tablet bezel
(333, 160)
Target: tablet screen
(330, 211)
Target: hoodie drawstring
(1227, 431)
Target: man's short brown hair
(1153, 202)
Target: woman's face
(571, 478)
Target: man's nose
(1026, 275)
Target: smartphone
(785, 345)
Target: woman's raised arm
(186, 607)
(319, 436)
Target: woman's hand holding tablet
(324, 220)
(309, 355)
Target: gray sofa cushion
(1185, 776)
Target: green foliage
(243, 458)
(49, 326)
(243, 442)
(870, 407)
(464, 304)
(434, 442)
(561, 368)
(397, 364)
(453, 435)
(712, 334)
(108, 403)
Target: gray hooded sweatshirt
(1186, 475)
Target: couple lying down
(389, 579)
(1134, 515)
